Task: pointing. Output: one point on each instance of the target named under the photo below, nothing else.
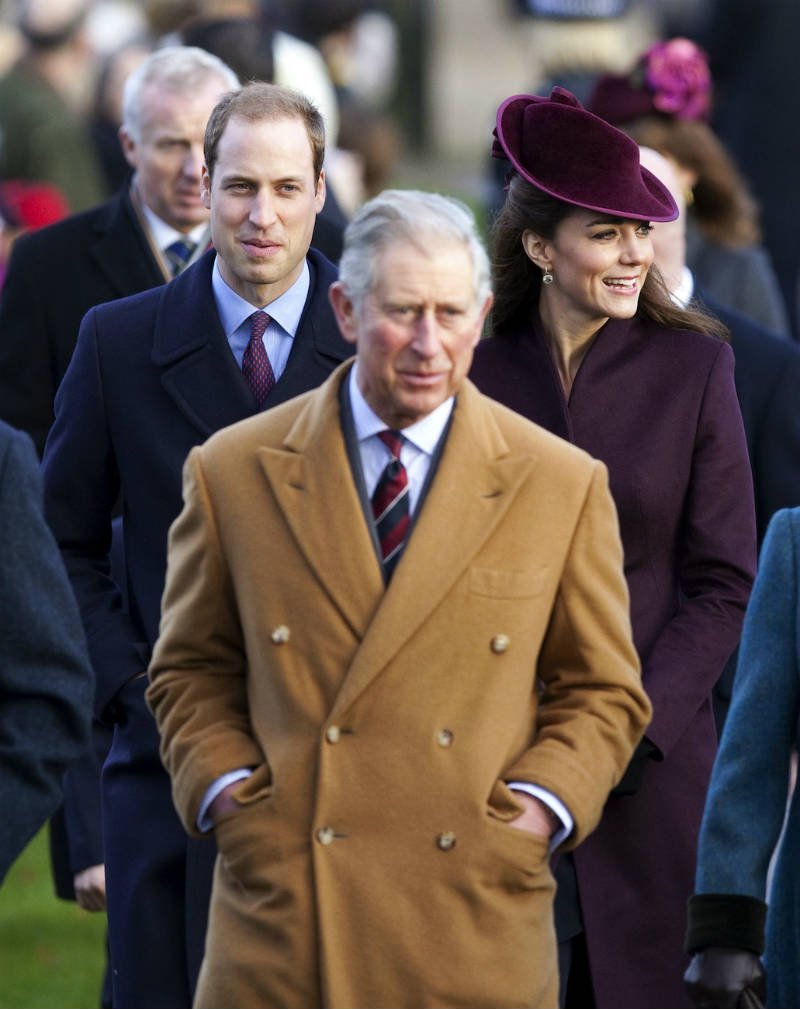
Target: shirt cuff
(553, 803)
(204, 821)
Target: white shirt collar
(164, 234)
(285, 310)
(424, 433)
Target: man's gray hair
(408, 215)
(181, 69)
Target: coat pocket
(525, 851)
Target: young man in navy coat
(153, 375)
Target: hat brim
(578, 158)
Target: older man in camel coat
(395, 666)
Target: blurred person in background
(106, 114)
(664, 102)
(358, 41)
(767, 377)
(767, 370)
(296, 64)
(146, 234)
(312, 45)
(119, 36)
(753, 50)
(570, 42)
(586, 342)
(43, 103)
(26, 206)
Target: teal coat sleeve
(747, 797)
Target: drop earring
(547, 276)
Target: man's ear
(321, 192)
(205, 188)
(344, 310)
(483, 312)
(536, 248)
(128, 145)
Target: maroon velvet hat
(567, 152)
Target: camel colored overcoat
(372, 863)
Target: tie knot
(258, 322)
(393, 440)
(179, 253)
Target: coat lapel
(122, 252)
(312, 481)
(477, 479)
(197, 367)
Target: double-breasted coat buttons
(333, 733)
(500, 643)
(325, 835)
(444, 737)
(446, 841)
(280, 635)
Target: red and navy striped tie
(390, 504)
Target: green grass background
(51, 952)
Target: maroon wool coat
(659, 407)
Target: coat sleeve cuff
(725, 919)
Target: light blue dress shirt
(284, 314)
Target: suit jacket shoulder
(55, 275)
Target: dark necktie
(390, 504)
(179, 253)
(255, 363)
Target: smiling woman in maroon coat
(587, 343)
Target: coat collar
(121, 250)
(477, 479)
(516, 367)
(197, 367)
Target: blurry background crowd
(408, 89)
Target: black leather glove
(632, 778)
(721, 977)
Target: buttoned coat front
(371, 864)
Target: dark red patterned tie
(255, 363)
(390, 503)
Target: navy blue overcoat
(152, 376)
